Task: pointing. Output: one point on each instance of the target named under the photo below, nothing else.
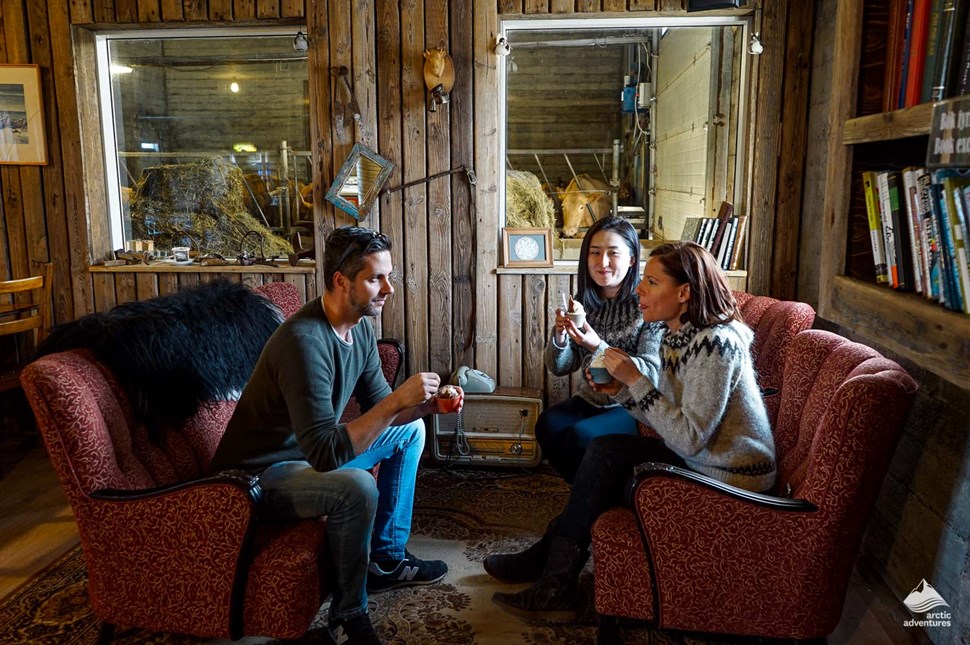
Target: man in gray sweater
(287, 427)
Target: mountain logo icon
(924, 598)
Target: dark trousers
(603, 478)
(565, 430)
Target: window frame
(106, 104)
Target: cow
(584, 201)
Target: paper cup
(578, 319)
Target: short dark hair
(345, 250)
(586, 290)
(711, 300)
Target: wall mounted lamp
(439, 77)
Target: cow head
(583, 203)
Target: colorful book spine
(960, 242)
(904, 67)
(875, 227)
(932, 50)
(952, 298)
(931, 239)
(917, 49)
(911, 214)
(738, 242)
(904, 268)
(888, 235)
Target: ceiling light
(234, 87)
(120, 69)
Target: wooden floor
(37, 527)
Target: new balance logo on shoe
(408, 572)
(340, 635)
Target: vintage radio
(496, 429)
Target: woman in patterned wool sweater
(705, 405)
(606, 285)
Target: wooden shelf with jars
(905, 323)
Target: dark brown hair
(346, 248)
(711, 301)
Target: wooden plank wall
(451, 307)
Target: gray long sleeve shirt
(291, 407)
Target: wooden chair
(18, 315)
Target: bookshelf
(923, 332)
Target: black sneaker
(353, 631)
(409, 572)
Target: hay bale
(202, 201)
(526, 203)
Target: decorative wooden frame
(374, 176)
(22, 139)
(539, 240)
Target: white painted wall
(682, 109)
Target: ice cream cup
(448, 404)
(600, 375)
(579, 319)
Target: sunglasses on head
(364, 244)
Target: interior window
(206, 139)
(636, 118)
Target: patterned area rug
(460, 517)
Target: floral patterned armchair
(694, 554)
(168, 548)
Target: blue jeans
(565, 430)
(365, 518)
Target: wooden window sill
(168, 267)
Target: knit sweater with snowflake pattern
(619, 324)
(706, 404)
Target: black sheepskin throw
(174, 353)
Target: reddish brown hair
(711, 301)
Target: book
(904, 63)
(932, 50)
(963, 69)
(724, 213)
(888, 236)
(729, 243)
(904, 263)
(931, 245)
(723, 257)
(951, 29)
(875, 227)
(910, 212)
(953, 181)
(917, 52)
(691, 227)
(952, 298)
(738, 242)
(896, 26)
(961, 241)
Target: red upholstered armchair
(167, 548)
(775, 324)
(697, 555)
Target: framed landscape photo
(21, 116)
(527, 247)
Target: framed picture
(21, 117)
(527, 247)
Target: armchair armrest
(654, 469)
(142, 549)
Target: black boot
(553, 596)
(525, 566)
